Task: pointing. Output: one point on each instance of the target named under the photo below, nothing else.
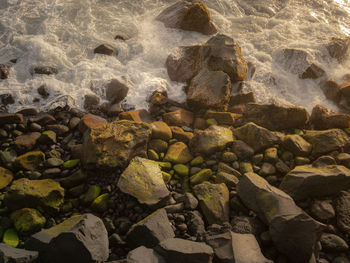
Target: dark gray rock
(44, 70)
(297, 145)
(10, 254)
(190, 202)
(323, 161)
(322, 210)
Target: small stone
(322, 210)
(117, 89)
(229, 157)
(197, 161)
(104, 49)
(190, 201)
(30, 160)
(267, 169)
(160, 130)
(6, 177)
(301, 160)
(28, 220)
(333, 244)
(53, 162)
(201, 176)
(4, 71)
(158, 145)
(245, 167)
(45, 70)
(152, 155)
(91, 194)
(181, 170)
(271, 155)
(100, 204)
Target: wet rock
(342, 207)
(30, 160)
(28, 220)
(91, 101)
(208, 141)
(6, 177)
(89, 121)
(333, 244)
(137, 115)
(331, 90)
(160, 130)
(214, 201)
(43, 91)
(323, 118)
(85, 234)
(180, 250)
(9, 118)
(45, 70)
(150, 231)
(242, 98)
(43, 119)
(190, 201)
(307, 181)
(178, 153)
(190, 15)
(7, 99)
(143, 255)
(114, 144)
(297, 145)
(23, 192)
(10, 254)
(255, 136)
(338, 48)
(117, 89)
(4, 71)
(179, 117)
(143, 180)
(72, 180)
(104, 49)
(288, 224)
(28, 111)
(222, 118)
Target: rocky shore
(219, 178)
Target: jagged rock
(30, 160)
(89, 121)
(293, 232)
(323, 118)
(255, 136)
(4, 71)
(308, 181)
(326, 141)
(104, 49)
(176, 250)
(9, 254)
(28, 220)
(150, 231)
(143, 180)
(179, 117)
(46, 193)
(115, 144)
(78, 239)
(161, 130)
(117, 89)
(6, 177)
(342, 207)
(143, 255)
(338, 48)
(296, 145)
(214, 201)
(215, 138)
(178, 153)
(191, 15)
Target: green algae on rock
(11, 237)
(28, 220)
(6, 177)
(91, 194)
(71, 163)
(178, 153)
(30, 160)
(100, 204)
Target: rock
(136, 115)
(293, 232)
(323, 161)
(181, 170)
(333, 244)
(104, 49)
(190, 201)
(45, 70)
(85, 234)
(222, 167)
(179, 117)
(143, 180)
(10, 237)
(115, 144)
(30, 160)
(276, 116)
(271, 155)
(89, 121)
(255, 136)
(267, 169)
(72, 180)
(344, 159)
(28, 220)
(342, 207)
(160, 130)
(10, 118)
(4, 71)
(180, 135)
(214, 202)
(91, 194)
(209, 89)
(6, 177)
(143, 255)
(59, 129)
(71, 163)
(201, 176)
(234, 247)
(190, 15)
(48, 137)
(322, 210)
(117, 89)
(223, 118)
(297, 145)
(91, 101)
(229, 157)
(158, 145)
(208, 141)
(9, 254)
(178, 153)
(23, 192)
(180, 250)
(150, 231)
(229, 179)
(43, 119)
(100, 204)
(313, 72)
(28, 111)
(326, 141)
(242, 150)
(242, 98)
(7, 99)
(338, 48)
(331, 90)
(323, 118)
(42, 91)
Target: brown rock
(9, 118)
(222, 118)
(338, 48)
(331, 90)
(161, 130)
(179, 117)
(199, 123)
(136, 115)
(117, 89)
(43, 92)
(242, 98)
(180, 134)
(4, 71)
(313, 72)
(345, 89)
(323, 118)
(191, 15)
(90, 121)
(91, 101)
(45, 70)
(104, 49)
(27, 142)
(43, 119)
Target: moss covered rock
(92, 193)
(100, 204)
(48, 137)
(201, 176)
(6, 177)
(30, 160)
(28, 220)
(161, 130)
(178, 153)
(11, 238)
(158, 145)
(181, 170)
(71, 163)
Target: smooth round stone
(54, 162)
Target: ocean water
(64, 33)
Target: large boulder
(143, 180)
(276, 116)
(79, 239)
(115, 144)
(323, 118)
(214, 202)
(191, 15)
(255, 136)
(293, 232)
(46, 194)
(307, 181)
(208, 141)
(326, 141)
(9, 254)
(209, 89)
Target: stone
(197, 161)
(181, 250)
(323, 161)
(9, 254)
(46, 194)
(28, 111)
(242, 150)
(91, 101)
(213, 139)
(214, 202)
(190, 15)
(136, 115)
(229, 157)
(190, 201)
(89, 121)
(158, 145)
(42, 91)
(201, 176)
(6, 177)
(85, 234)
(242, 98)
(326, 141)
(143, 255)
(271, 155)
(338, 48)
(28, 220)
(342, 207)
(323, 118)
(10, 237)
(297, 145)
(104, 49)
(293, 232)
(72, 180)
(59, 129)
(30, 160)
(10, 118)
(322, 210)
(255, 136)
(267, 169)
(178, 153)
(181, 135)
(115, 144)
(223, 118)
(48, 137)
(229, 179)
(301, 160)
(307, 181)
(161, 130)
(117, 89)
(179, 117)
(333, 244)
(344, 159)
(43, 119)
(181, 170)
(4, 71)
(71, 163)
(150, 231)
(222, 167)
(209, 90)
(91, 194)
(27, 142)
(331, 90)
(7, 99)
(282, 167)
(100, 204)
(44, 70)
(143, 180)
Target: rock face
(276, 117)
(143, 180)
(255, 136)
(80, 238)
(323, 118)
(116, 143)
(307, 181)
(215, 138)
(176, 250)
(151, 230)
(209, 89)
(214, 202)
(293, 232)
(191, 15)
(46, 193)
(10, 254)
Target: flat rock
(179, 117)
(89, 121)
(9, 254)
(323, 118)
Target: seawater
(64, 33)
